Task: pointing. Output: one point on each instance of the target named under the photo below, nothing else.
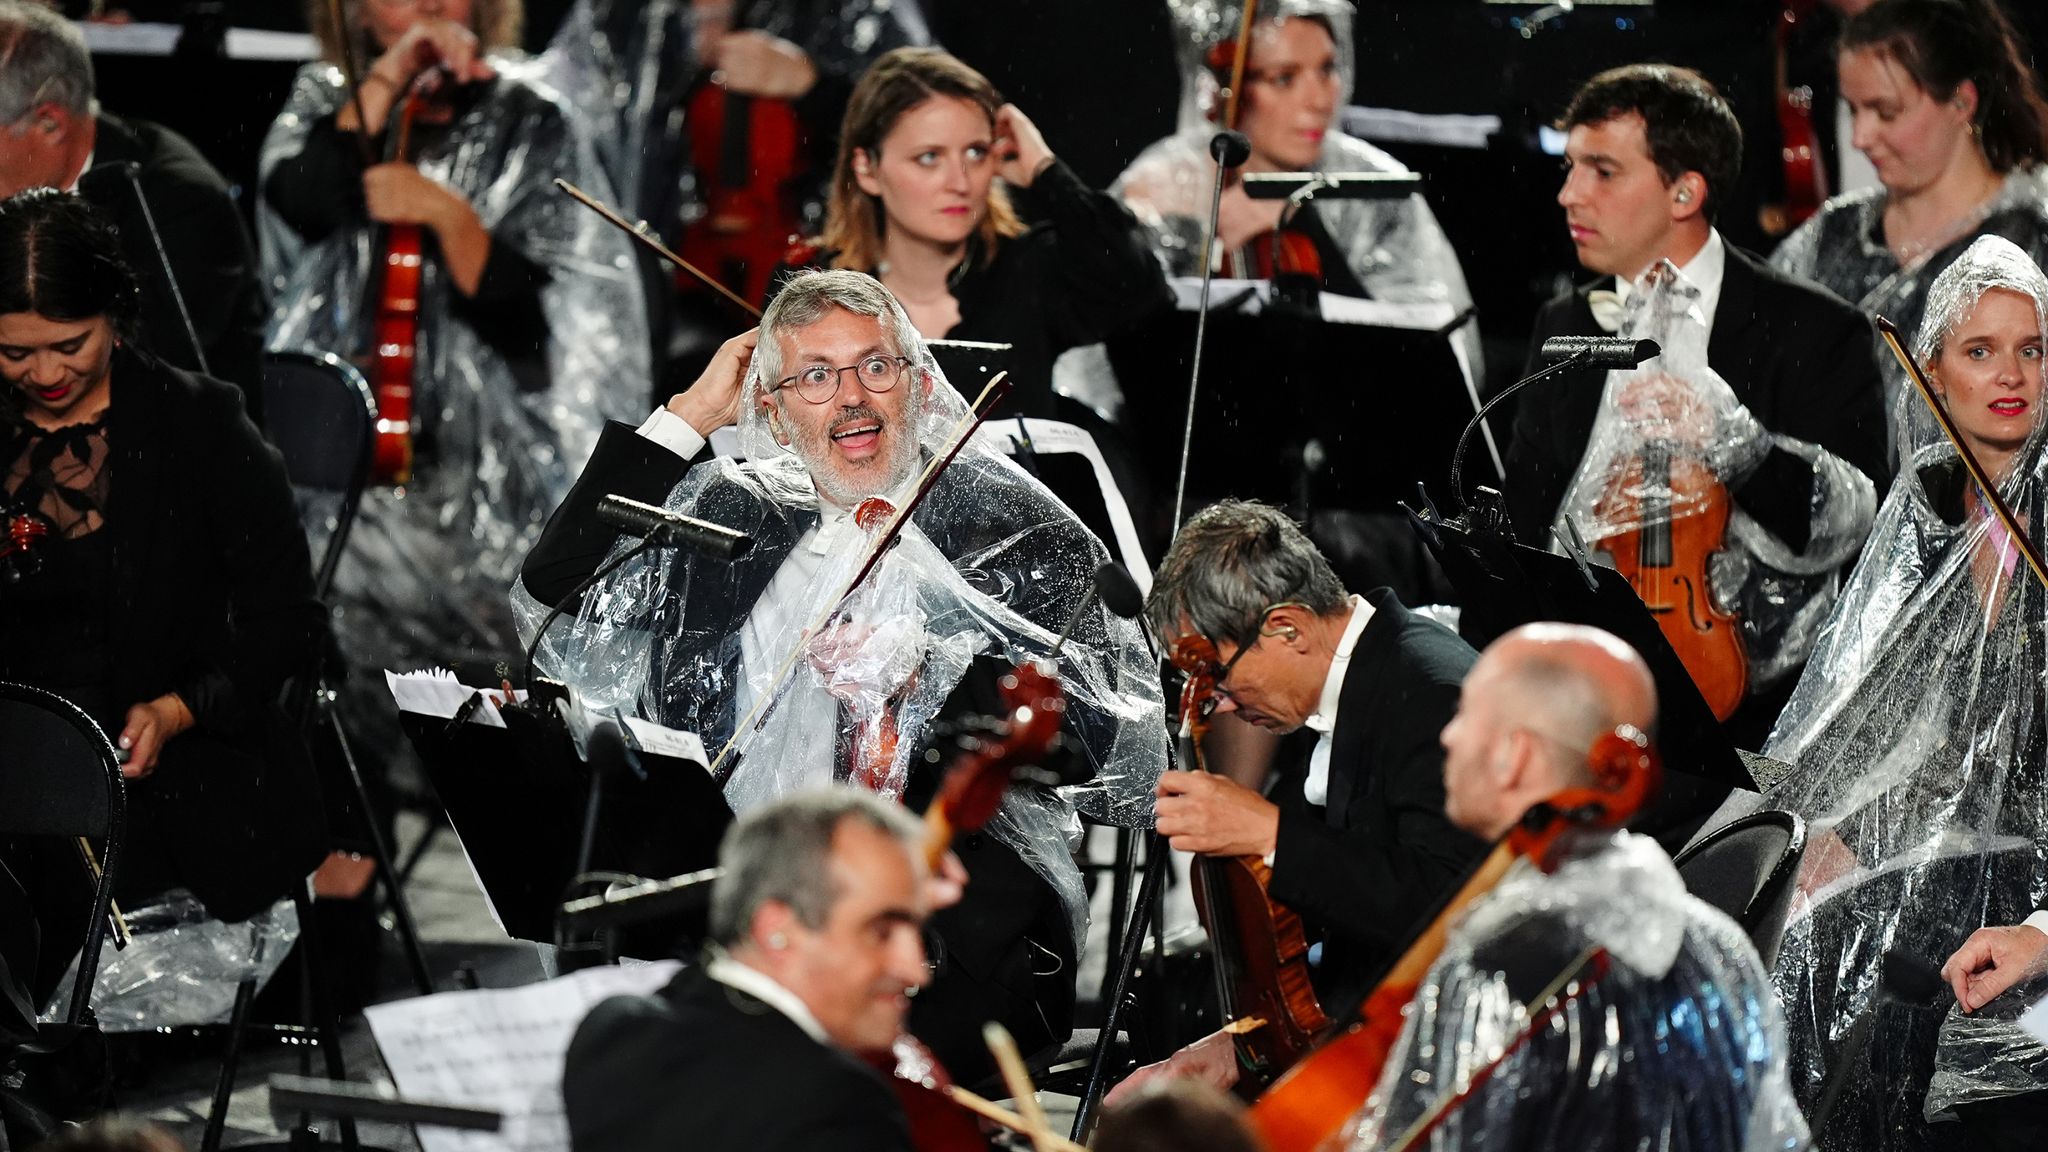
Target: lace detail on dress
(61, 473)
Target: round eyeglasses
(817, 383)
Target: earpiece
(778, 941)
(1685, 195)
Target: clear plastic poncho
(1842, 248)
(496, 450)
(991, 565)
(1678, 1046)
(1394, 247)
(1915, 737)
(1671, 426)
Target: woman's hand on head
(1021, 150)
(147, 728)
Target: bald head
(1531, 709)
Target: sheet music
(499, 1048)
(1248, 298)
(436, 692)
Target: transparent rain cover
(991, 564)
(1667, 432)
(1915, 736)
(427, 566)
(1679, 1046)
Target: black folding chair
(59, 778)
(323, 420)
(1746, 868)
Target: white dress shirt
(762, 987)
(1316, 787)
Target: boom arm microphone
(1600, 351)
(665, 529)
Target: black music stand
(516, 797)
(1502, 585)
(1298, 411)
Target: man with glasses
(54, 135)
(839, 409)
(1353, 826)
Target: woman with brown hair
(1950, 113)
(531, 323)
(953, 200)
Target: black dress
(177, 565)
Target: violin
(395, 319)
(1665, 561)
(1806, 182)
(1260, 949)
(1283, 253)
(968, 797)
(1312, 1102)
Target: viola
(1311, 1103)
(395, 322)
(1805, 180)
(1665, 561)
(968, 797)
(1260, 950)
(747, 155)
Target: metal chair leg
(394, 883)
(231, 1061)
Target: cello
(1312, 1102)
(1268, 1006)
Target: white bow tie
(1608, 310)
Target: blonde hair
(896, 83)
(497, 24)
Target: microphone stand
(1479, 417)
(1230, 150)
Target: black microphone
(610, 758)
(665, 529)
(1230, 149)
(1119, 592)
(1601, 351)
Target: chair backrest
(58, 777)
(1746, 868)
(319, 412)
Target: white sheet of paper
(500, 1048)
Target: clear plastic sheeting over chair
(1677, 1046)
(499, 440)
(990, 566)
(181, 966)
(1669, 431)
(1915, 737)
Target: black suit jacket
(702, 1066)
(1802, 361)
(205, 243)
(1368, 867)
(1006, 950)
(213, 599)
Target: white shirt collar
(762, 987)
(1324, 719)
(1704, 271)
(83, 169)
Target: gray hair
(805, 299)
(1230, 563)
(781, 851)
(43, 60)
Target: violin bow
(1985, 484)
(1244, 49)
(352, 75)
(639, 231)
(991, 394)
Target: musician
(1652, 150)
(1678, 1044)
(816, 950)
(529, 329)
(1297, 79)
(1354, 828)
(56, 136)
(838, 404)
(1916, 731)
(953, 200)
(172, 595)
(1950, 112)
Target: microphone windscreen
(1230, 149)
(1118, 591)
(1648, 350)
(607, 753)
